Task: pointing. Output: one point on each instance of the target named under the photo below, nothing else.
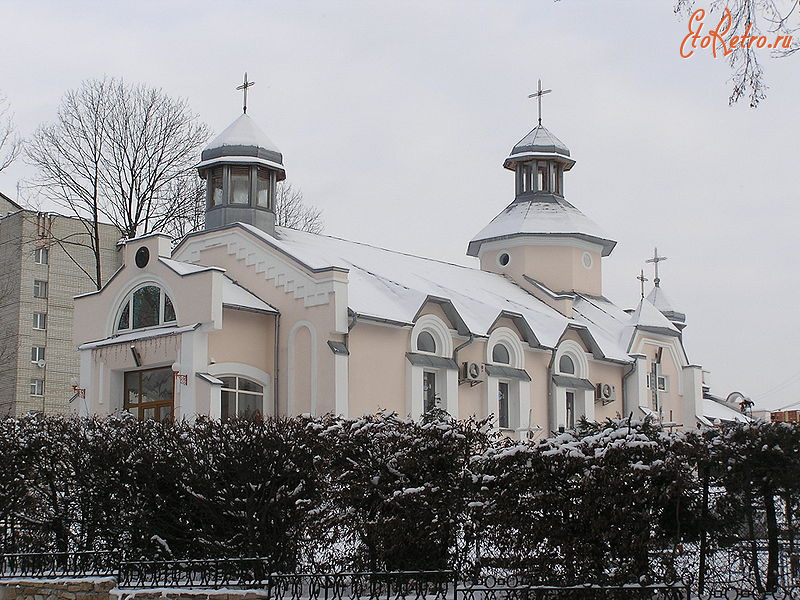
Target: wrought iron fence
(59, 564)
(515, 588)
(254, 573)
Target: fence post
(701, 581)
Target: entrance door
(149, 394)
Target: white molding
(511, 341)
(291, 370)
(267, 262)
(577, 353)
(131, 286)
(522, 239)
(439, 330)
(242, 370)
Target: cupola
(541, 236)
(241, 168)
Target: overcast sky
(395, 117)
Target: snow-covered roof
(139, 335)
(243, 141)
(243, 132)
(544, 215)
(713, 411)
(392, 286)
(660, 301)
(540, 140)
(233, 295)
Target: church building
(247, 317)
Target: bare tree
(10, 143)
(778, 19)
(292, 212)
(120, 153)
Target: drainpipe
(275, 358)
(464, 345)
(350, 326)
(624, 379)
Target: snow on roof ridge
(426, 258)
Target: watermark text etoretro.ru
(716, 38)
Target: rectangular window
(39, 320)
(557, 180)
(216, 187)
(663, 383)
(570, 410)
(41, 256)
(542, 180)
(39, 289)
(240, 185)
(37, 387)
(149, 393)
(262, 188)
(37, 353)
(502, 405)
(428, 391)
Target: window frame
(237, 391)
(37, 387)
(41, 256)
(162, 305)
(37, 353)
(40, 288)
(141, 407)
(35, 324)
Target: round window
(142, 257)
(587, 260)
(503, 259)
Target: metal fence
(515, 588)
(59, 564)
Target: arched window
(426, 342)
(241, 398)
(500, 354)
(146, 306)
(566, 365)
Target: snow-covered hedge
(608, 502)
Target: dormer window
(146, 306)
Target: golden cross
(538, 94)
(245, 84)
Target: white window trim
(38, 353)
(231, 369)
(38, 253)
(128, 301)
(519, 395)
(584, 399)
(41, 285)
(36, 327)
(34, 392)
(446, 379)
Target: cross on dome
(245, 84)
(538, 95)
(655, 260)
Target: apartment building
(45, 261)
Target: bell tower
(540, 240)
(241, 168)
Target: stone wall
(105, 588)
(92, 588)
